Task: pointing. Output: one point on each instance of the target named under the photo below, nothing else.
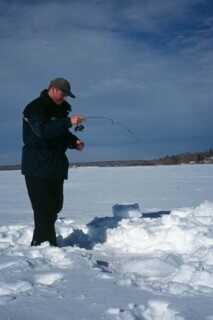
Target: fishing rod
(81, 127)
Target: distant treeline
(187, 158)
(195, 157)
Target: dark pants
(46, 197)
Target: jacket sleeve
(71, 140)
(46, 129)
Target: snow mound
(53, 256)
(184, 231)
(155, 310)
(48, 279)
(171, 254)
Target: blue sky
(145, 63)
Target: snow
(170, 254)
(14, 288)
(134, 243)
(155, 310)
(48, 279)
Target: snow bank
(173, 253)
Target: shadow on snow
(97, 231)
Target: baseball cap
(63, 85)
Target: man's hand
(79, 145)
(76, 119)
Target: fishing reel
(79, 127)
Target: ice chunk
(48, 279)
(125, 211)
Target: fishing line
(113, 122)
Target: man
(46, 138)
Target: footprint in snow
(9, 291)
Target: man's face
(58, 95)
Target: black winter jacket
(46, 138)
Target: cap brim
(70, 94)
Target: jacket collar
(44, 95)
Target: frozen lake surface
(154, 264)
